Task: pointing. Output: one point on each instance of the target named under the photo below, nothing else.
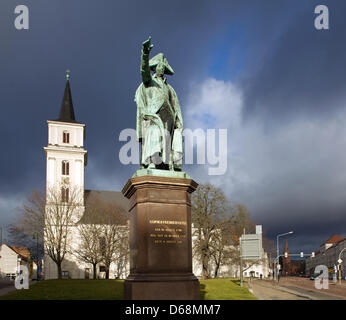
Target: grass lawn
(212, 289)
(224, 289)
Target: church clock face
(66, 180)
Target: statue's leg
(151, 151)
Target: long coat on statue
(159, 122)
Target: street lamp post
(277, 252)
(35, 236)
(340, 264)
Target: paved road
(305, 285)
(269, 290)
(6, 286)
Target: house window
(65, 168)
(64, 194)
(66, 137)
(64, 274)
(102, 269)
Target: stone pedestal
(160, 239)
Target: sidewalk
(266, 291)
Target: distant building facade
(328, 255)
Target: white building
(255, 268)
(65, 162)
(11, 258)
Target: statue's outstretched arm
(145, 69)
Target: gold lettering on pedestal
(165, 231)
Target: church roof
(67, 111)
(105, 207)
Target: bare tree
(221, 250)
(241, 221)
(89, 247)
(18, 236)
(209, 208)
(27, 228)
(62, 211)
(123, 251)
(104, 235)
(49, 217)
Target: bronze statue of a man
(159, 118)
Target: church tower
(65, 153)
(65, 162)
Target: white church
(66, 159)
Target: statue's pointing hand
(147, 46)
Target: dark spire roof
(67, 111)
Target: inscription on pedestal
(167, 232)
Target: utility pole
(241, 261)
(278, 254)
(241, 266)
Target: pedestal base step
(162, 290)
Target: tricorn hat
(161, 58)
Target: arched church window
(66, 137)
(65, 168)
(102, 243)
(64, 195)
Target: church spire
(67, 111)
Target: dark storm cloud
(299, 82)
(100, 42)
(303, 74)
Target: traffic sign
(251, 246)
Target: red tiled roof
(334, 239)
(24, 252)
